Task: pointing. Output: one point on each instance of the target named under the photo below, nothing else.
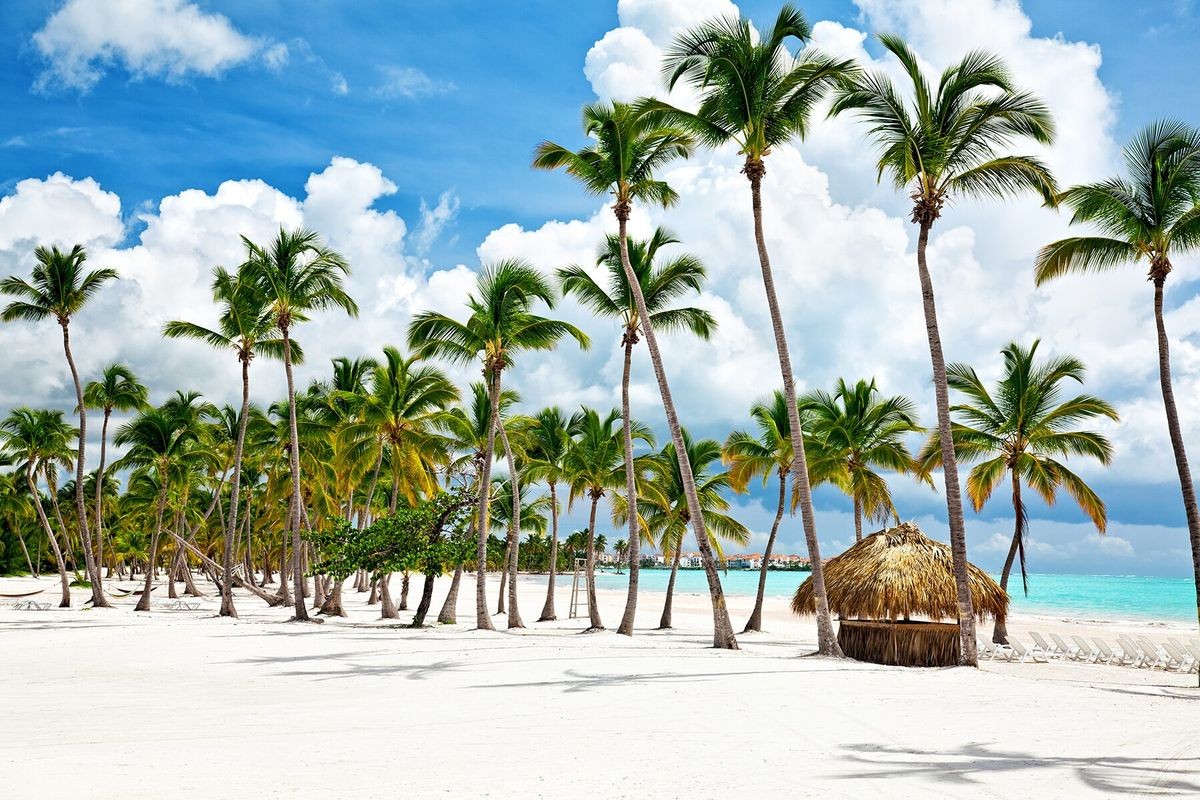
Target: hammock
(30, 593)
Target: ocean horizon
(1106, 597)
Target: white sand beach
(110, 703)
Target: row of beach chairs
(1172, 655)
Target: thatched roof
(896, 573)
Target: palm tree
(500, 325)
(245, 326)
(629, 146)
(938, 145)
(395, 418)
(621, 548)
(595, 464)
(751, 456)
(162, 445)
(1022, 428)
(40, 441)
(755, 93)
(855, 432)
(297, 275)
(14, 509)
(1152, 215)
(661, 284)
(118, 389)
(59, 289)
(545, 454)
(668, 514)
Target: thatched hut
(880, 584)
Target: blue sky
(451, 97)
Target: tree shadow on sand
(966, 765)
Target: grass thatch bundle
(897, 574)
(902, 644)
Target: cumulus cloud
(168, 39)
(434, 220)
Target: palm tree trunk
(235, 484)
(294, 463)
(501, 606)
(514, 533)
(1000, 630)
(29, 561)
(98, 598)
(404, 582)
(755, 622)
(626, 626)
(143, 603)
(1181, 462)
(58, 555)
(958, 539)
(426, 599)
(664, 622)
(99, 532)
(594, 623)
(826, 641)
(858, 515)
(548, 609)
(387, 607)
(483, 620)
(449, 613)
(722, 629)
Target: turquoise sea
(1077, 596)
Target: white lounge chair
(1156, 656)
(1021, 653)
(181, 605)
(1090, 652)
(30, 605)
(1046, 649)
(986, 648)
(1107, 654)
(1069, 651)
(1179, 660)
(1137, 656)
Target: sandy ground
(109, 703)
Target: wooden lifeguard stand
(579, 597)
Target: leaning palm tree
(500, 325)
(59, 289)
(39, 440)
(661, 283)
(118, 389)
(942, 143)
(1152, 215)
(246, 327)
(1021, 428)
(855, 433)
(667, 517)
(297, 275)
(755, 93)
(548, 443)
(629, 146)
(595, 464)
(751, 456)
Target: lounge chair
(1090, 653)
(30, 605)
(1068, 651)
(986, 648)
(1040, 645)
(1137, 656)
(1017, 650)
(1155, 655)
(181, 605)
(1194, 652)
(1180, 660)
(1107, 653)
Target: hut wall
(905, 644)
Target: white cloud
(171, 39)
(434, 220)
(408, 83)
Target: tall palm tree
(855, 432)
(668, 519)
(1152, 215)
(751, 456)
(1022, 428)
(755, 93)
(58, 289)
(628, 147)
(161, 443)
(661, 284)
(500, 325)
(297, 275)
(40, 441)
(942, 143)
(549, 441)
(246, 327)
(595, 464)
(118, 389)
(396, 418)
